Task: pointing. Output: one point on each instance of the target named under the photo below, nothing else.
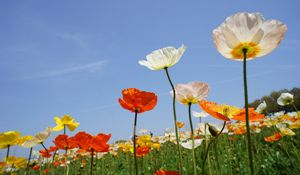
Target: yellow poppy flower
(295, 125)
(286, 131)
(23, 139)
(9, 138)
(16, 162)
(227, 110)
(65, 121)
(155, 145)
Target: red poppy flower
(63, 142)
(45, 153)
(82, 140)
(163, 172)
(36, 167)
(142, 151)
(99, 143)
(55, 164)
(52, 149)
(138, 101)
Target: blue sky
(75, 57)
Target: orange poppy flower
(142, 151)
(225, 112)
(99, 143)
(138, 101)
(253, 115)
(212, 109)
(275, 137)
(63, 142)
(180, 124)
(163, 172)
(238, 131)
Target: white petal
(221, 44)
(274, 32)
(201, 114)
(164, 57)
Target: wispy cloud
(90, 67)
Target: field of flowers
(247, 142)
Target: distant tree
(271, 101)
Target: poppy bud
(212, 130)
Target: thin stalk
(45, 148)
(193, 141)
(54, 154)
(30, 153)
(175, 120)
(209, 144)
(92, 162)
(296, 109)
(65, 129)
(250, 156)
(7, 153)
(134, 142)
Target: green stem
(209, 144)
(250, 156)
(296, 109)
(92, 161)
(30, 152)
(46, 151)
(193, 141)
(54, 154)
(175, 120)
(7, 153)
(65, 130)
(134, 142)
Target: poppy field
(246, 141)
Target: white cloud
(90, 67)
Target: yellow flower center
(252, 50)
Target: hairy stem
(134, 143)
(175, 120)
(250, 154)
(193, 141)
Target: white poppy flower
(188, 144)
(191, 92)
(30, 143)
(278, 114)
(201, 114)
(285, 99)
(261, 107)
(163, 58)
(248, 31)
(42, 136)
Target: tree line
(271, 100)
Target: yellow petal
(9, 138)
(73, 126)
(58, 127)
(57, 120)
(67, 119)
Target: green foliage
(227, 156)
